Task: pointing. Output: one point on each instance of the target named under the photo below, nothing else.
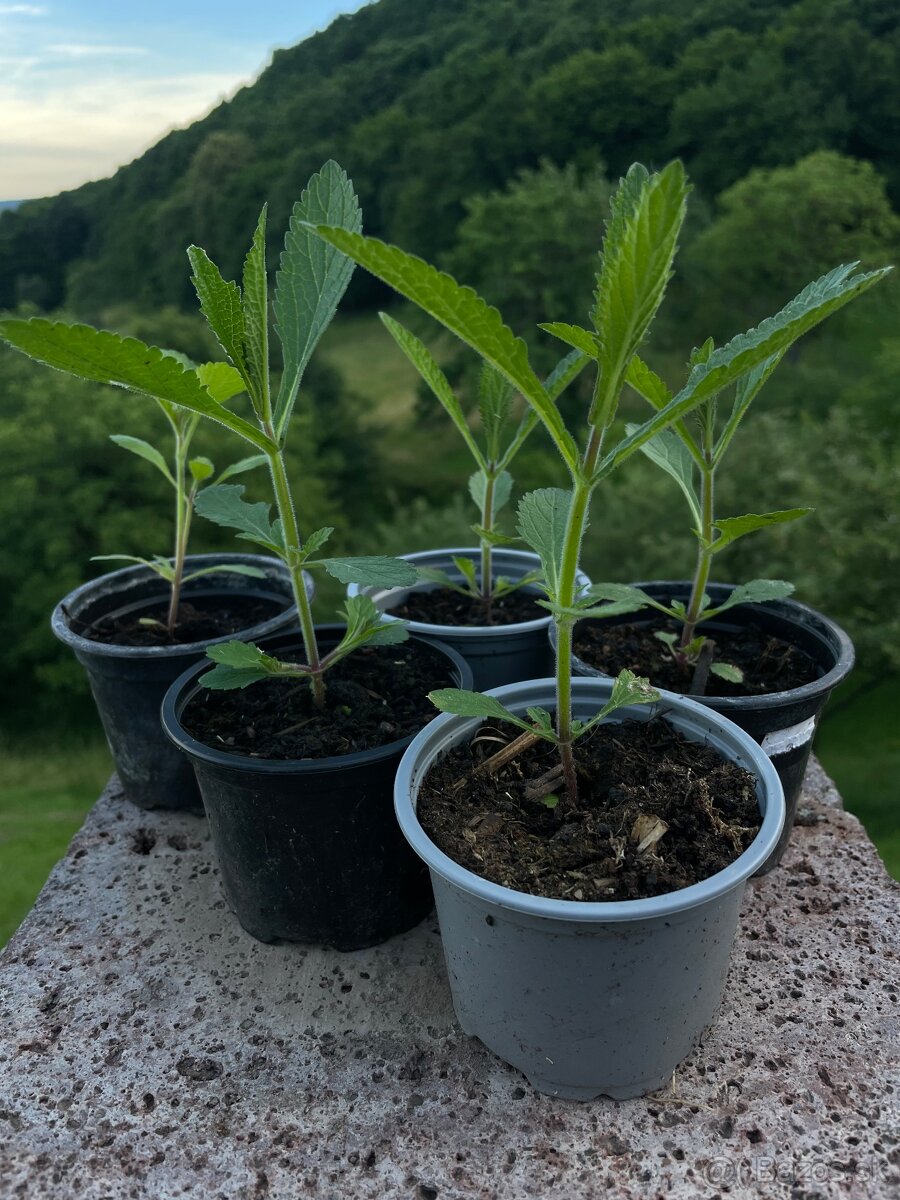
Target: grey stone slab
(150, 1048)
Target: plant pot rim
(126, 576)
(448, 729)
(469, 632)
(788, 608)
(185, 687)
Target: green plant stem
(704, 556)
(182, 528)
(487, 522)
(288, 517)
(568, 574)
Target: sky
(88, 85)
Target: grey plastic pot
(588, 999)
(497, 654)
(128, 682)
(784, 723)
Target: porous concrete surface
(150, 1048)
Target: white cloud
(87, 49)
(22, 10)
(55, 138)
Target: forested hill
(428, 103)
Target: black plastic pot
(784, 723)
(309, 850)
(129, 682)
(497, 654)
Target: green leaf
(312, 278)
(317, 539)
(541, 718)
(543, 515)
(502, 490)
(495, 396)
(629, 688)
(748, 350)
(442, 579)
(701, 354)
(256, 319)
(222, 504)
(227, 569)
(474, 704)
(220, 303)
(732, 528)
(748, 388)
(366, 626)
(757, 591)
(573, 335)
(221, 380)
(201, 469)
(143, 450)
(636, 265)
(161, 566)
(565, 371)
(464, 313)
(493, 537)
(622, 593)
(670, 453)
(727, 671)
(103, 357)
(647, 383)
(238, 664)
(424, 362)
(668, 639)
(374, 570)
(467, 569)
(550, 800)
(245, 464)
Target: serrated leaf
(543, 517)
(502, 490)
(375, 570)
(748, 350)
(647, 383)
(317, 539)
(636, 265)
(464, 313)
(467, 569)
(541, 718)
(424, 362)
(201, 469)
(220, 303)
(255, 301)
(312, 278)
(473, 704)
(757, 591)
(668, 639)
(221, 380)
(495, 396)
(629, 688)
(727, 671)
(366, 627)
(222, 504)
(245, 464)
(572, 335)
(622, 593)
(143, 450)
(732, 528)
(670, 453)
(103, 357)
(701, 354)
(238, 664)
(493, 537)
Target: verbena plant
(186, 476)
(310, 282)
(692, 455)
(647, 212)
(490, 486)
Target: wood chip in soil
(768, 663)
(377, 695)
(656, 813)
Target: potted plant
(481, 601)
(583, 945)
(136, 629)
(771, 663)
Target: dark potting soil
(768, 663)
(376, 695)
(631, 776)
(446, 607)
(199, 620)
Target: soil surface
(446, 607)
(198, 621)
(768, 663)
(376, 695)
(635, 780)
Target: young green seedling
(692, 456)
(186, 476)
(635, 265)
(310, 282)
(490, 486)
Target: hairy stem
(487, 522)
(285, 505)
(182, 528)
(704, 558)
